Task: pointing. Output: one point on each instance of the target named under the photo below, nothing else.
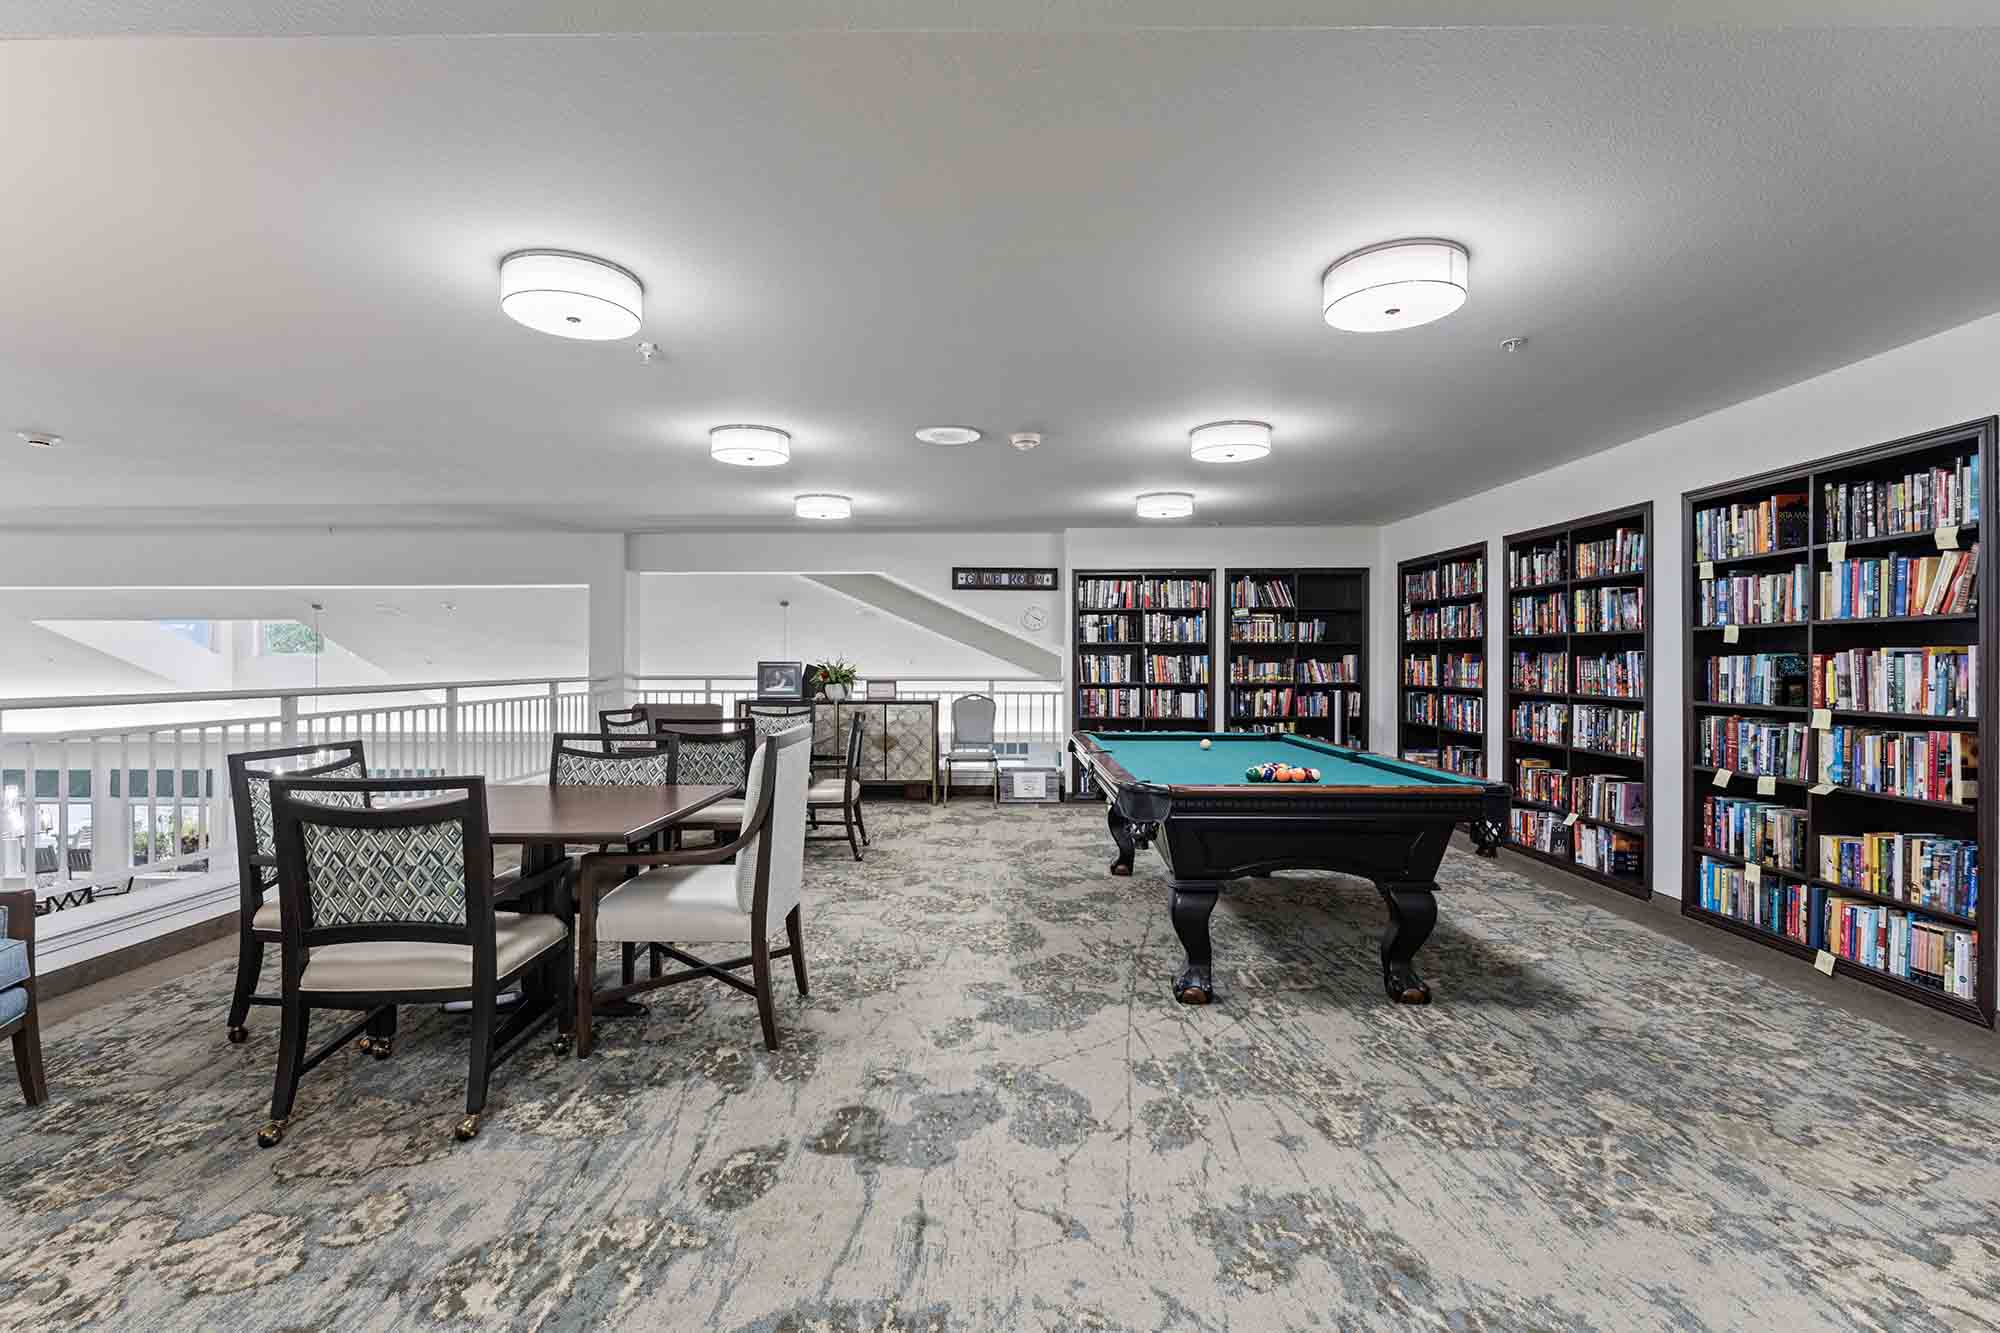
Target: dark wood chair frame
(849, 804)
(628, 749)
(691, 716)
(290, 812)
(257, 875)
(27, 1029)
(603, 871)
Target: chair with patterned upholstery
(841, 793)
(582, 760)
(972, 739)
(693, 897)
(390, 901)
(634, 721)
(18, 1016)
(250, 775)
(706, 755)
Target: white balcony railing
(1027, 712)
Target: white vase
(837, 693)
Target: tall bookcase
(1579, 698)
(1441, 662)
(1296, 652)
(1840, 632)
(1142, 650)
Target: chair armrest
(20, 905)
(597, 862)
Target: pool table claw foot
(1122, 867)
(1403, 985)
(1412, 916)
(1195, 985)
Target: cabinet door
(873, 756)
(827, 736)
(912, 748)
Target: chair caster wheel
(381, 1047)
(238, 1035)
(467, 1129)
(271, 1135)
(563, 1045)
(365, 1044)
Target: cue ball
(1208, 745)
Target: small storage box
(1031, 784)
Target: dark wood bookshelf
(1138, 652)
(1457, 580)
(1822, 807)
(1337, 596)
(1561, 577)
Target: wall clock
(1033, 619)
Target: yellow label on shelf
(1822, 719)
(1722, 776)
(1569, 819)
(1730, 634)
(1753, 874)
(1947, 538)
(1767, 786)
(1708, 569)
(1836, 551)
(1822, 789)
(1823, 963)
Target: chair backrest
(711, 754)
(776, 862)
(850, 763)
(583, 759)
(398, 868)
(623, 722)
(769, 718)
(250, 774)
(972, 720)
(682, 713)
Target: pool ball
(1208, 745)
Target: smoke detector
(1024, 440)
(39, 439)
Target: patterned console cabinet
(899, 738)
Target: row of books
(1623, 552)
(1782, 906)
(1539, 829)
(1610, 730)
(1766, 832)
(1466, 712)
(1454, 578)
(1775, 680)
(1259, 627)
(1343, 670)
(1539, 722)
(1098, 669)
(1937, 497)
(1099, 594)
(1188, 704)
(1613, 675)
(1930, 953)
(1468, 760)
(1752, 745)
(1108, 629)
(1923, 765)
(1538, 565)
(1260, 671)
(1597, 796)
(1263, 703)
(1777, 598)
(1941, 681)
(1107, 703)
(1250, 593)
(1901, 585)
(1296, 703)
(1538, 613)
(1603, 610)
(1163, 628)
(1177, 669)
(1545, 673)
(1539, 780)
(1464, 620)
(1921, 869)
(1328, 703)
(1465, 671)
(1752, 527)
(1421, 709)
(1609, 851)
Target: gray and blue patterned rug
(990, 1115)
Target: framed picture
(881, 689)
(1003, 578)
(781, 680)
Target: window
(287, 638)
(200, 633)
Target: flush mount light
(39, 439)
(822, 506)
(948, 435)
(750, 446)
(1230, 441)
(1395, 285)
(1166, 504)
(570, 295)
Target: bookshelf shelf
(1837, 506)
(1322, 616)
(1554, 575)
(1439, 592)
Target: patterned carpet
(990, 1115)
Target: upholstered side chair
(836, 798)
(972, 740)
(18, 1017)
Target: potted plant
(836, 678)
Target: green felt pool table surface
(1175, 758)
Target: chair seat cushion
(679, 904)
(13, 962)
(267, 917)
(13, 1003)
(827, 792)
(413, 965)
(723, 814)
(970, 756)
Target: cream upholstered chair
(972, 739)
(693, 897)
(250, 774)
(841, 793)
(393, 904)
(713, 755)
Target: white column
(614, 627)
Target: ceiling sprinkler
(1024, 440)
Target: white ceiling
(255, 279)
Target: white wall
(1939, 381)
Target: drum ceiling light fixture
(1230, 441)
(1166, 504)
(750, 446)
(822, 506)
(570, 295)
(1395, 285)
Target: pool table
(1368, 815)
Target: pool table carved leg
(1412, 914)
(1189, 906)
(1121, 833)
